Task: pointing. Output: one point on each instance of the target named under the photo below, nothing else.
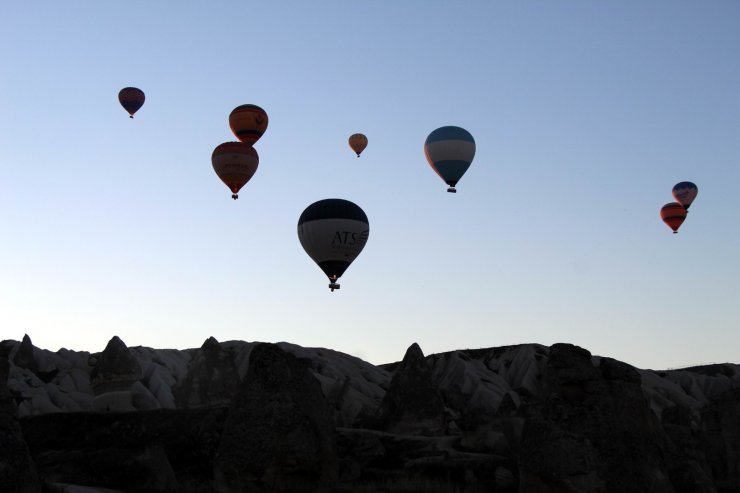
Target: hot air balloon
(673, 214)
(333, 232)
(131, 99)
(449, 151)
(358, 143)
(235, 163)
(685, 193)
(248, 122)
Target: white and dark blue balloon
(333, 232)
(449, 151)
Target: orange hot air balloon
(358, 143)
(673, 214)
(248, 122)
(131, 98)
(235, 163)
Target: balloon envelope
(449, 151)
(131, 98)
(333, 232)
(235, 163)
(673, 214)
(358, 143)
(248, 122)
(685, 193)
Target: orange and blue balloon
(685, 193)
(449, 151)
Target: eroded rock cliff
(244, 416)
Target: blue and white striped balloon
(449, 151)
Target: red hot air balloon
(685, 193)
(235, 163)
(673, 214)
(131, 98)
(358, 143)
(248, 122)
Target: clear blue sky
(585, 115)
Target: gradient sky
(585, 114)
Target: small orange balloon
(248, 122)
(235, 163)
(358, 143)
(673, 214)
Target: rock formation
(17, 471)
(592, 430)
(212, 378)
(24, 357)
(279, 435)
(244, 416)
(112, 377)
(413, 403)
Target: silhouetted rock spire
(24, 357)
(212, 377)
(413, 403)
(114, 373)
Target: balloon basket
(452, 190)
(333, 286)
(235, 196)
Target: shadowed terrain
(245, 416)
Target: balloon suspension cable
(235, 196)
(452, 190)
(333, 283)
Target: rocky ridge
(526, 418)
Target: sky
(585, 114)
